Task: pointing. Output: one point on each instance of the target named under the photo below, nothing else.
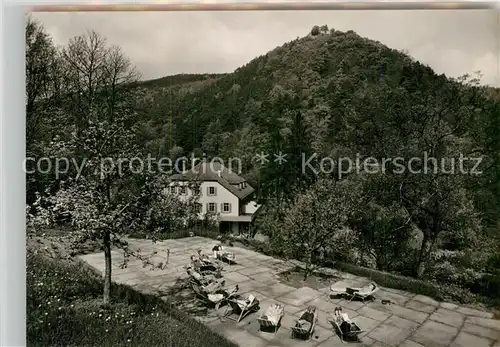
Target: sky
(167, 43)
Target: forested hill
(345, 88)
(308, 72)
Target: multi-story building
(221, 193)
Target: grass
(64, 309)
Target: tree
(41, 72)
(384, 233)
(315, 30)
(99, 200)
(318, 220)
(97, 78)
(159, 212)
(102, 139)
(438, 204)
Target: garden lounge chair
(227, 257)
(222, 255)
(304, 327)
(347, 329)
(206, 267)
(338, 290)
(217, 297)
(271, 318)
(363, 293)
(202, 279)
(241, 306)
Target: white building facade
(221, 194)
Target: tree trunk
(107, 268)
(425, 249)
(308, 265)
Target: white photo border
(13, 119)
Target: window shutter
(215, 208)
(215, 190)
(208, 208)
(229, 208)
(208, 190)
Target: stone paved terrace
(409, 321)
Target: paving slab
(401, 323)
(393, 297)
(242, 337)
(420, 306)
(366, 324)
(473, 312)
(249, 286)
(410, 343)
(484, 322)
(292, 310)
(265, 277)
(400, 311)
(323, 304)
(400, 292)
(435, 334)
(467, 340)
(374, 314)
(351, 304)
(233, 268)
(449, 317)
(389, 335)
(426, 300)
(254, 270)
(299, 296)
(276, 290)
(236, 277)
(480, 331)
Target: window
(173, 189)
(183, 190)
(200, 208)
(211, 207)
(212, 191)
(226, 207)
(196, 191)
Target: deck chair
(241, 306)
(206, 267)
(304, 327)
(271, 318)
(364, 292)
(336, 290)
(346, 328)
(227, 257)
(214, 286)
(215, 298)
(200, 278)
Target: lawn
(64, 309)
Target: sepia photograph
(263, 178)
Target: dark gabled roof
(209, 171)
